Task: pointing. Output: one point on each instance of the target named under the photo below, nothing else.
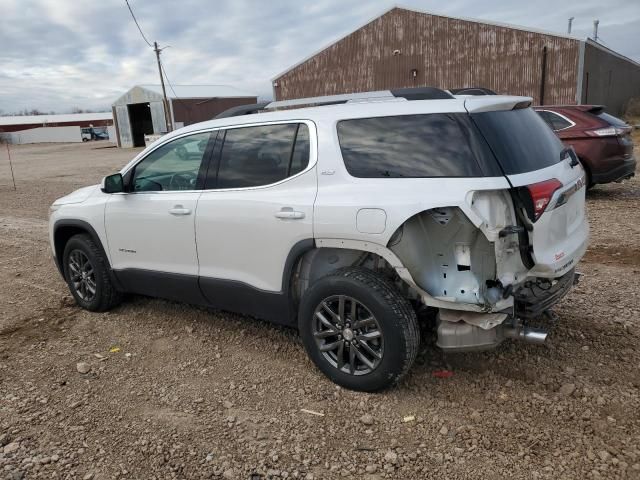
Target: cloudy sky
(60, 54)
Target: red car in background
(602, 142)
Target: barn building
(140, 111)
(50, 128)
(408, 48)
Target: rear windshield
(428, 145)
(611, 120)
(520, 139)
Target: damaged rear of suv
(472, 207)
(343, 216)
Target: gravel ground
(174, 391)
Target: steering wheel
(182, 153)
(182, 181)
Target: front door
(150, 229)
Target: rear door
(547, 182)
(257, 205)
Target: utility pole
(167, 113)
(595, 29)
(569, 27)
(11, 166)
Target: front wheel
(87, 274)
(358, 330)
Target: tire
(587, 172)
(394, 319)
(82, 254)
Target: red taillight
(541, 194)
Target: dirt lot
(181, 392)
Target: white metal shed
(141, 110)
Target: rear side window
(555, 121)
(429, 145)
(300, 157)
(520, 140)
(262, 155)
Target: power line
(188, 107)
(157, 50)
(137, 24)
(168, 81)
(167, 114)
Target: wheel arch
(63, 230)
(322, 258)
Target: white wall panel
(45, 135)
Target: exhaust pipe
(536, 336)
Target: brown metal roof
(407, 48)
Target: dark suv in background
(603, 142)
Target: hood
(78, 196)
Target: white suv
(343, 216)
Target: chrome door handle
(290, 214)
(179, 210)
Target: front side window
(173, 166)
(262, 155)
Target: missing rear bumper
(539, 295)
(462, 336)
(467, 331)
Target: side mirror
(112, 183)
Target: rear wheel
(358, 330)
(87, 274)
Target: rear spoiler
(491, 103)
(595, 109)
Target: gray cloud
(57, 54)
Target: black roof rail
(242, 110)
(417, 93)
(421, 93)
(472, 91)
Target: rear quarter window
(413, 146)
(520, 139)
(555, 121)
